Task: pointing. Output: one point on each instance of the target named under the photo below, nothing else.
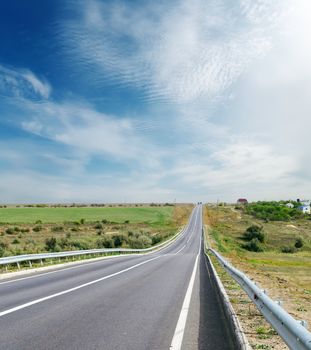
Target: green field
(33, 230)
(149, 215)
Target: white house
(305, 209)
(290, 205)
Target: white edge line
(181, 323)
(37, 301)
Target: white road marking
(83, 263)
(180, 250)
(181, 323)
(37, 301)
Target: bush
(105, 243)
(254, 232)
(299, 243)
(98, 226)
(288, 249)
(3, 247)
(24, 230)
(80, 245)
(38, 222)
(15, 241)
(82, 221)
(104, 221)
(127, 221)
(140, 242)
(253, 246)
(64, 243)
(10, 231)
(50, 244)
(118, 240)
(155, 239)
(57, 229)
(37, 228)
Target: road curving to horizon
(162, 300)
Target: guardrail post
(304, 323)
(30, 264)
(18, 265)
(41, 262)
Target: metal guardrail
(17, 259)
(293, 332)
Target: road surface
(163, 300)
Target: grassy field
(285, 276)
(35, 230)
(59, 215)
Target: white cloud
(42, 88)
(88, 131)
(178, 52)
(22, 83)
(237, 76)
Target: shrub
(140, 242)
(288, 249)
(24, 230)
(118, 240)
(155, 239)
(64, 243)
(37, 228)
(80, 245)
(82, 221)
(9, 231)
(98, 226)
(299, 243)
(256, 232)
(50, 244)
(105, 243)
(57, 229)
(104, 221)
(3, 247)
(15, 241)
(253, 246)
(38, 222)
(127, 221)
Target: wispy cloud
(22, 83)
(177, 51)
(229, 86)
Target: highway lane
(131, 302)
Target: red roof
(242, 200)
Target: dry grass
(286, 277)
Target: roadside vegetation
(39, 229)
(274, 211)
(272, 245)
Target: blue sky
(113, 101)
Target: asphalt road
(162, 300)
